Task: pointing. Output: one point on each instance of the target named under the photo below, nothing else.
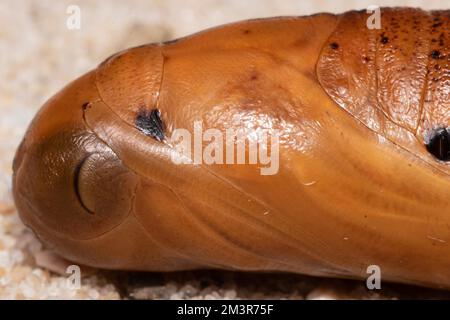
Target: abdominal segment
(394, 79)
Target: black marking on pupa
(438, 144)
(149, 122)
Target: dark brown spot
(334, 45)
(435, 54)
(85, 105)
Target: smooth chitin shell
(355, 186)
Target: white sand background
(39, 55)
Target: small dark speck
(150, 123)
(246, 31)
(435, 54)
(334, 45)
(85, 105)
(168, 42)
(437, 24)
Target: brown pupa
(363, 117)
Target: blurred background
(39, 55)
